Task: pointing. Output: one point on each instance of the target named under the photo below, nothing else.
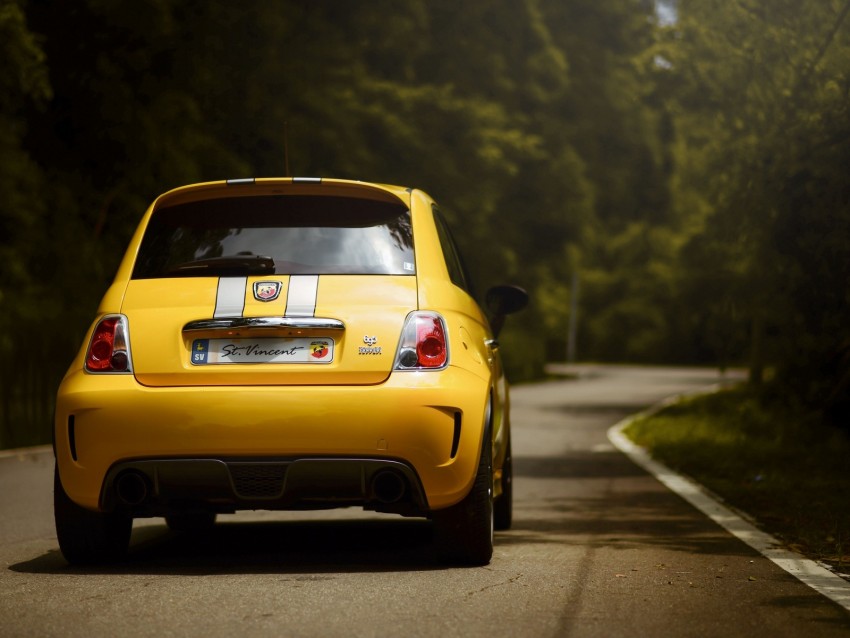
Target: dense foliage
(687, 159)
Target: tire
(465, 531)
(503, 508)
(191, 522)
(86, 537)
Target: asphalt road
(599, 548)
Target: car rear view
(281, 344)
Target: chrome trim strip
(235, 323)
(301, 297)
(230, 297)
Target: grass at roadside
(788, 471)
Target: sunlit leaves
(762, 100)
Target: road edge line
(25, 451)
(809, 572)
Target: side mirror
(502, 301)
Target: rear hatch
(259, 286)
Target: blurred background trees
(687, 159)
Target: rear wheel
(86, 537)
(503, 508)
(465, 530)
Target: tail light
(109, 350)
(424, 345)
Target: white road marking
(806, 570)
(23, 452)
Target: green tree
(761, 93)
(24, 84)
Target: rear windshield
(277, 234)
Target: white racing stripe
(230, 298)
(301, 298)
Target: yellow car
(280, 344)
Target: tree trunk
(757, 350)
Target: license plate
(292, 350)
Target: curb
(804, 569)
(22, 452)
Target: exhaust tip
(131, 488)
(388, 486)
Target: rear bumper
(425, 425)
(158, 487)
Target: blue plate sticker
(200, 349)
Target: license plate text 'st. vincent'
(293, 350)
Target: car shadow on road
(293, 547)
